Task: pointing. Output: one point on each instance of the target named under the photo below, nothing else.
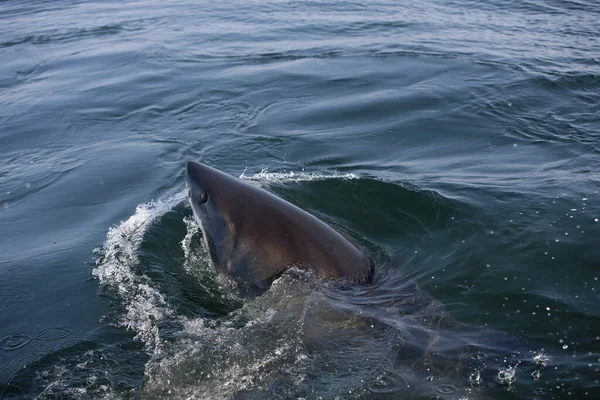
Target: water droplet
(565, 346)
(541, 358)
(475, 378)
(507, 376)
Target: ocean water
(457, 141)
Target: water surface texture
(456, 141)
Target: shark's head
(199, 190)
(203, 191)
(254, 235)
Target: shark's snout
(189, 172)
(195, 176)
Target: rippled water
(457, 141)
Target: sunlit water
(457, 142)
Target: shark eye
(203, 197)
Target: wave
(301, 338)
(117, 266)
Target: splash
(193, 255)
(301, 338)
(246, 351)
(541, 358)
(115, 269)
(506, 376)
(264, 177)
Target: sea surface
(457, 142)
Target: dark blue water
(457, 141)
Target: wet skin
(254, 235)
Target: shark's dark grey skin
(254, 235)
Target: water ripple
(14, 342)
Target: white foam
(193, 256)
(217, 359)
(144, 305)
(264, 177)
